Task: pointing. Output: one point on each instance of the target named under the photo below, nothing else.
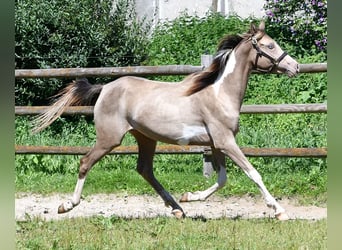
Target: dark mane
(229, 42)
(208, 76)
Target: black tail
(78, 93)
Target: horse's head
(267, 55)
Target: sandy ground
(34, 205)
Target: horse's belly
(180, 134)
(192, 134)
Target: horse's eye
(270, 46)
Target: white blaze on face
(190, 132)
(229, 69)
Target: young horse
(203, 109)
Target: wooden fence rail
(245, 109)
(175, 149)
(134, 71)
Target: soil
(28, 206)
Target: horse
(202, 109)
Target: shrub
(302, 23)
(185, 39)
(64, 34)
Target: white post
(208, 167)
(206, 60)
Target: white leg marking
(240, 159)
(203, 195)
(76, 198)
(68, 205)
(269, 199)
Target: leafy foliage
(185, 39)
(65, 34)
(301, 23)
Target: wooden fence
(136, 71)
(166, 149)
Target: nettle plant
(303, 23)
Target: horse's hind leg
(219, 161)
(105, 142)
(147, 148)
(86, 163)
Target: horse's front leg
(219, 161)
(231, 149)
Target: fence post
(206, 60)
(208, 167)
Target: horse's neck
(233, 81)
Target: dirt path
(35, 205)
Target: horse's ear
(253, 29)
(262, 26)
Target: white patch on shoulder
(190, 132)
(230, 66)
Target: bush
(64, 34)
(185, 39)
(301, 23)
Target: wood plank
(134, 71)
(245, 109)
(175, 149)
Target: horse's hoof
(184, 198)
(61, 209)
(65, 207)
(178, 213)
(282, 216)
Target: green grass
(311, 188)
(169, 233)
